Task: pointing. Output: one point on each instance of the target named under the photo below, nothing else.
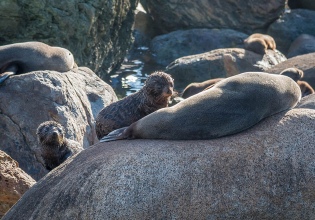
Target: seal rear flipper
(117, 134)
(8, 72)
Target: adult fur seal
(297, 74)
(259, 43)
(230, 106)
(155, 94)
(32, 56)
(54, 147)
(194, 88)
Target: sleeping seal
(32, 56)
(230, 106)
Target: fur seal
(194, 88)
(155, 94)
(33, 56)
(297, 74)
(259, 43)
(54, 147)
(230, 106)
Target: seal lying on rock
(155, 94)
(55, 148)
(230, 106)
(296, 74)
(32, 56)
(194, 88)
(259, 43)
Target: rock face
(266, 172)
(307, 4)
(246, 16)
(303, 62)
(293, 23)
(97, 32)
(72, 99)
(168, 47)
(220, 63)
(14, 182)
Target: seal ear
(117, 134)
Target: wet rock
(14, 182)
(168, 47)
(292, 24)
(246, 16)
(72, 99)
(266, 172)
(302, 62)
(97, 32)
(220, 63)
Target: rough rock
(97, 32)
(14, 182)
(72, 99)
(303, 44)
(303, 62)
(168, 47)
(266, 172)
(292, 24)
(220, 63)
(306, 4)
(246, 16)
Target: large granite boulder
(246, 16)
(303, 62)
(72, 99)
(292, 24)
(168, 47)
(266, 172)
(220, 63)
(97, 32)
(14, 182)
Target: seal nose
(55, 133)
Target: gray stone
(168, 47)
(266, 172)
(303, 44)
(14, 182)
(292, 24)
(97, 32)
(220, 63)
(246, 16)
(302, 62)
(72, 99)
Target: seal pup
(230, 106)
(259, 43)
(54, 147)
(155, 94)
(194, 88)
(297, 74)
(33, 56)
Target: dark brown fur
(154, 95)
(195, 88)
(259, 43)
(230, 106)
(55, 148)
(297, 74)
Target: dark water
(133, 72)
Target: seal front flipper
(117, 134)
(8, 72)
